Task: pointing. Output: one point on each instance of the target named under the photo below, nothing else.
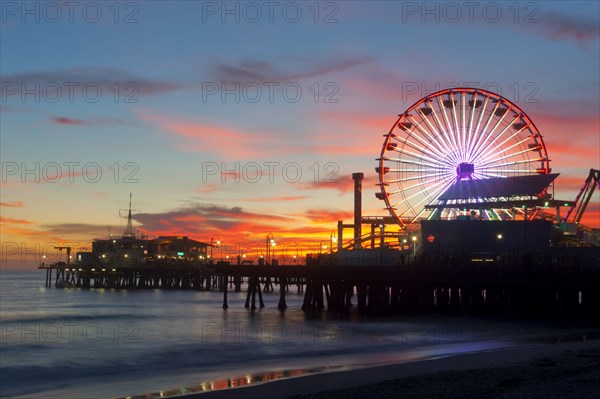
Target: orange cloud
(19, 221)
(591, 217)
(16, 204)
(328, 216)
(238, 229)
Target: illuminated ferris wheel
(453, 135)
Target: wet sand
(561, 370)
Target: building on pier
(136, 251)
(172, 247)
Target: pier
(565, 294)
(536, 292)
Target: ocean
(109, 343)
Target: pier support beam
(225, 278)
(253, 287)
(282, 288)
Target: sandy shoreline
(569, 369)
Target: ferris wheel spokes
(451, 135)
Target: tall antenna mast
(129, 230)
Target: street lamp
(272, 249)
(499, 237)
(414, 240)
(322, 246)
(332, 240)
(270, 243)
(252, 250)
(290, 250)
(212, 244)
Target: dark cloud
(200, 218)
(111, 81)
(556, 26)
(261, 71)
(78, 229)
(98, 121)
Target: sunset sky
(241, 119)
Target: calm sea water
(73, 343)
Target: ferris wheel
(452, 135)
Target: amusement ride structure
(452, 136)
(464, 155)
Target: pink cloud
(571, 139)
(63, 120)
(344, 185)
(206, 188)
(284, 198)
(220, 141)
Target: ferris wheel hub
(465, 170)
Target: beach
(559, 370)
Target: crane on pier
(583, 197)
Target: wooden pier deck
(543, 293)
(560, 293)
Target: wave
(67, 318)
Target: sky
(233, 120)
